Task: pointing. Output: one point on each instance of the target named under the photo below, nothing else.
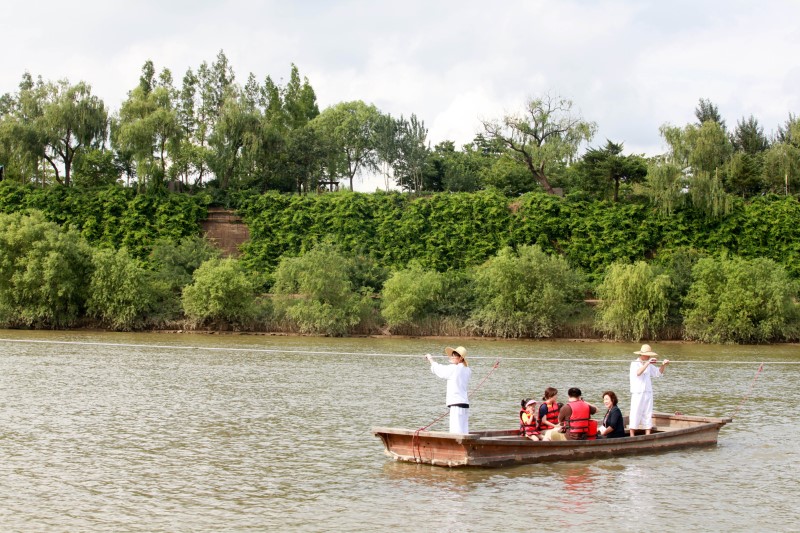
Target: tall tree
(348, 128)
(210, 86)
(789, 132)
(299, 100)
(748, 137)
(547, 132)
(234, 141)
(56, 121)
(18, 152)
(706, 110)
(607, 167)
(781, 170)
(412, 153)
(190, 161)
(700, 152)
(148, 126)
(386, 150)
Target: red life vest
(527, 427)
(592, 430)
(551, 416)
(579, 419)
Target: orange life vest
(527, 424)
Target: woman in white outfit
(457, 374)
(643, 369)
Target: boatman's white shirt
(457, 377)
(643, 383)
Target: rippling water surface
(157, 432)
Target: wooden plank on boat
(506, 447)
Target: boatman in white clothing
(457, 374)
(643, 369)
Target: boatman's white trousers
(641, 410)
(459, 420)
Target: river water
(168, 432)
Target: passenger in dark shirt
(613, 424)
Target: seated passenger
(548, 410)
(613, 424)
(528, 425)
(575, 415)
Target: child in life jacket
(528, 423)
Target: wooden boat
(506, 447)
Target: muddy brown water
(160, 432)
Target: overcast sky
(628, 65)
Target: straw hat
(460, 351)
(646, 350)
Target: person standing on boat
(613, 424)
(643, 369)
(457, 374)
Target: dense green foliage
(449, 234)
(175, 262)
(634, 301)
(43, 272)
(526, 293)
(221, 293)
(95, 183)
(454, 231)
(315, 291)
(740, 300)
(111, 216)
(410, 295)
(123, 294)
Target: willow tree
(235, 143)
(634, 301)
(547, 132)
(55, 122)
(315, 291)
(702, 153)
(44, 270)
(781, 171)
(665, 186)
(526, 293)
(148, 127)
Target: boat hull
(505, 447)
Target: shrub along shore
(454, 264)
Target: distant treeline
(213, 132)
(447, 263)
